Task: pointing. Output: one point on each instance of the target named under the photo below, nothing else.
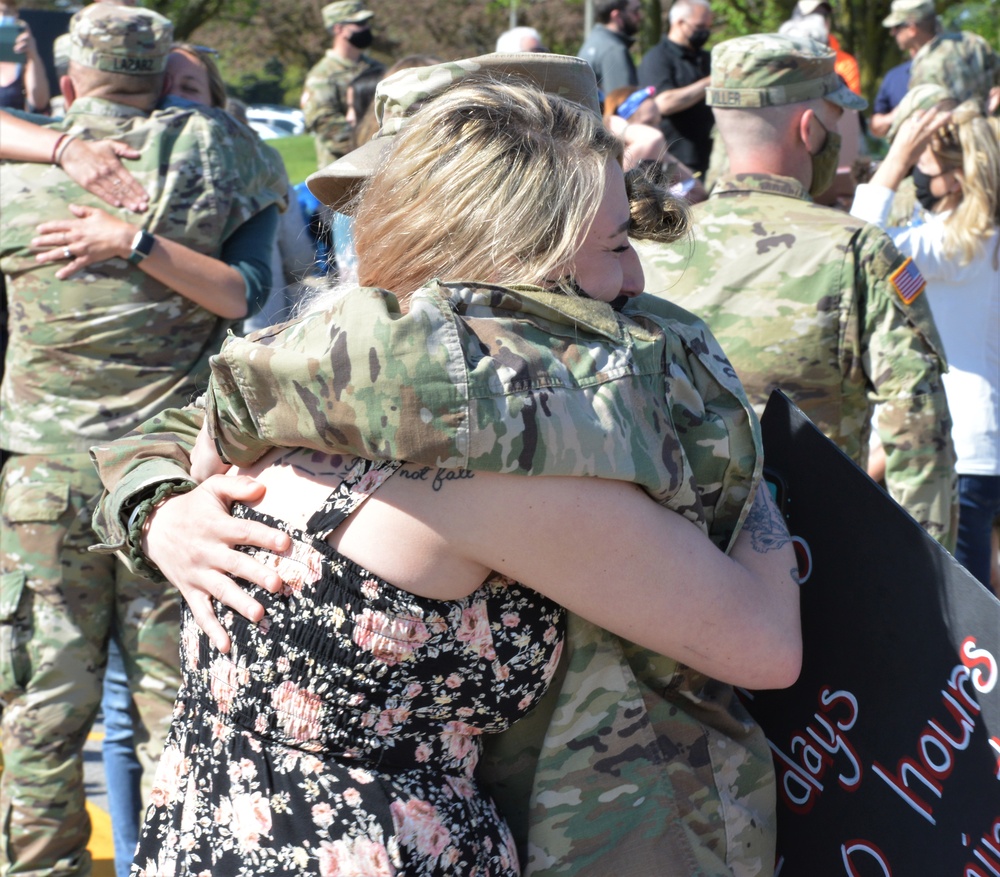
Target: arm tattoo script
(765, 525)
(438, 479)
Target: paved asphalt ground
(101, 846)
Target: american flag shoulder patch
(908, 281)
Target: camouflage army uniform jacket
(808, 299)
(91, 357)
(964, 64)
(324, 103)
(529, 382)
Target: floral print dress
(340, 736)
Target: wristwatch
(142, 246)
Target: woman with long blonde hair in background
(954, 157)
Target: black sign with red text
(887, 748)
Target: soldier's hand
(96, 165)
(91, 235)
(192, 538)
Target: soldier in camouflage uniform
(803, 297)
(635, 765)
(963, 63)
(324, 96)
(89, 358)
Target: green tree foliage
(980, 16)
(739, 17)
(189, 15)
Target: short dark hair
(604, 8)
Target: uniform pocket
(25, 503)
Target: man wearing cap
(964, 63)
(608, 47)
(324, 97)
(90, 357)
(804, 297)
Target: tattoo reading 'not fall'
(438, 480)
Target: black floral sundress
(340, 736)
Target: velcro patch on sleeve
(908, 281)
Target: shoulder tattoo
(765, 525)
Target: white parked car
(265, 131)
(281, 121)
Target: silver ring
(67, 253)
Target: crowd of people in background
(848, 256)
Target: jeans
(979, 507)
(121, 767)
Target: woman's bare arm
(94, 164)
(91, 235)
(601, 548)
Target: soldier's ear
(68, 90)
(168, 84)
(811, 131)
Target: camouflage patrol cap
(345, 12)
(908, 11)
(920, 97)
(60, 53)
(120, 39)
(770, 70)
(398, 96)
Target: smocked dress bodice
(341, 734)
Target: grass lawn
(299, 154)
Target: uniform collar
(97, 106)
(772, 184)
(586, 313)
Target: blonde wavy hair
(970, 146)
(491, 182)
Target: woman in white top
(955, 161)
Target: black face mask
(699, 36)
(922, 185)
(361, 39)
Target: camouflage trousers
(633, 765)
(58, 603)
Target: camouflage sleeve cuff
(112, 514)
(231, 424)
